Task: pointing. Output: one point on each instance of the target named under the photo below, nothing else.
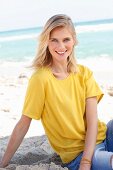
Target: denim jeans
(102, 154)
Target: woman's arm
(16, 138)
(91, 133)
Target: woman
(64, 95)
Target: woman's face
(60, 44)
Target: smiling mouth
(61, 52)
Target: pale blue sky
(15, 14)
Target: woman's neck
(59, 68)
(59, 71)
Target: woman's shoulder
(84, 70)
(41, 74)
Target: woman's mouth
(60, 52)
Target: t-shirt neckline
(67, 77)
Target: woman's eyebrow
(53, 38)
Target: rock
(110, 90)
(34, 153)
(50, 166)
(22, 75)
(46, 147)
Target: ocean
(95, 42)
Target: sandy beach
(35, 151)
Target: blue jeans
(102, 154)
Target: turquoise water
(95, 40)
(93, 44)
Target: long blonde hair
(43, 57)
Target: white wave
(94, 28)
(18, 37)
(79, 29)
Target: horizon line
(77, 23)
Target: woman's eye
(53, 40)
(66, 39)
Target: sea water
(95, 42)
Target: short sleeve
(34, 99)
(92, 87)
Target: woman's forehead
(60, 31)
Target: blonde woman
(64, 95)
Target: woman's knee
(109, 136)
(102, 160)
(111, 161)
(110, 125)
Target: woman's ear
(75, 42)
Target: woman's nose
(61, 45)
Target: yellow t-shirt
(61, 106)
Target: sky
(16, 14)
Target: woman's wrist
(86, 161)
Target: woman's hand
(85, 167)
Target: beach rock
(22, 79)
(51, 166)
(110, 90)
(34, 153)
(22, 75)
(5, 110)
(46, 147)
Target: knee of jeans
(94, 163)
(94, 159)
(110, 124)
(111, 161)
(103, 160)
